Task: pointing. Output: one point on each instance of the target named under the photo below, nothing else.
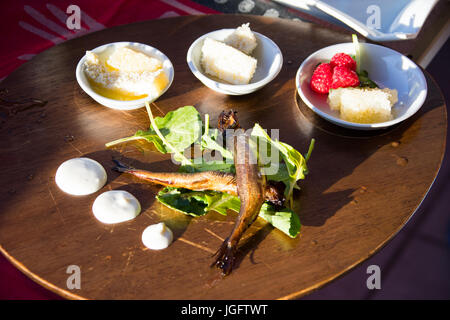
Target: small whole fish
(201, 181)
(198, 181)
(251, 186)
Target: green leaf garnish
(189, 202)
(365, 81)
(283, 219)
(196, 203)
(179, 128)
(200, 165)
(210, 141)
(295, 163)
(357, 52)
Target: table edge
(295, 295)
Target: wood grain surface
(362, 187)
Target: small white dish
(386, 67)
(267, 53)
(119, 104)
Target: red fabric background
(29, 27)
(20, 15)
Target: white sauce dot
(246, 6)
(157, 236)
(116, 206)
(80, 176)
(271, 13)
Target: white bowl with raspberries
(336, 66)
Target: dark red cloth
(29, 27)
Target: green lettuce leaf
(357, 52)
(200, 165)
(283, 219)
(365, 81)
(198, 203)
(282, 175)
(209, 141)
(181, 128)
(295, 164)
(221, 202)
(189, 202)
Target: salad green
(182, 128)
(363, 75)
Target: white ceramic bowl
(270, 61)
(388, 68)
(118, 104)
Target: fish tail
(120, 167)
(225, 257)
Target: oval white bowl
(118, 104)
(387, 67)
(269, 56)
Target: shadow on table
(335, 146)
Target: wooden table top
(362, 187)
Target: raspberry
(321, 78)
(343, 60)
(343, 78)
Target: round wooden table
(362, 187)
